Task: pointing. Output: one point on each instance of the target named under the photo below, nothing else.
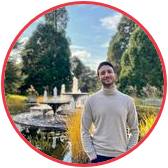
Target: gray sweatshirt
(111, 112)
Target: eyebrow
(109, 70)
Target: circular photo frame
(88, 29)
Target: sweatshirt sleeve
(85, 133)
(132, 122)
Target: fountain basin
(36, 119)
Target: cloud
(23, 40)
(15, 53)
(110, 22)
(15, 56)
(81, 54)
(76, 47)
(93, 63)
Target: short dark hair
(104, 63)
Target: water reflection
(52, 143)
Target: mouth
(107, 80)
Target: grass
(16, 104)
(42, 143)
(146, 115)
(73, 128)
(146, 123)
(147, 109)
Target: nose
(106, 74)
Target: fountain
(75, 85)
(63, 89)
(55, 103)
(55, 94)
(45, 97)
(49, 114)
(37, 120)
(76, 93)
(41, 116)
(72, 105)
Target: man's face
(106, 75)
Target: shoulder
(125, 96)
(90, 100)
(128, 101)
(93, 96)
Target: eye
(102, 72)
(109, 71)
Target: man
(111, 113)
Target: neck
(109, 90)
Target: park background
(47, 58)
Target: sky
(90, 28)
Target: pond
(52, 143)
(53, 135)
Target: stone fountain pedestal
(37, 119)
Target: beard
(107, 85)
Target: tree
(87, 77)
(13, 77)
(140, 63)
(119, 42)
(88, 81)
(46, 59)
(77, 66)
(59, 19)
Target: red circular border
(74, 3)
